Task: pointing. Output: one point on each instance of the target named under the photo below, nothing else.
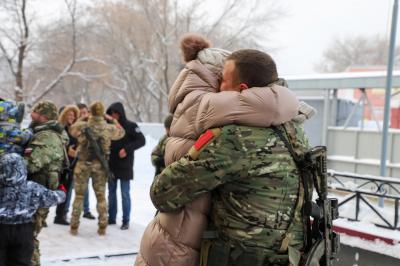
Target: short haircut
(192, 44)
(253, 67)
(82, 106)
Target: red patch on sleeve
(204, 139)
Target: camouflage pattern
(83, 171)
(89, 166)
(47, 109)
(255, 185)
(12, 138)
(45, 163)
(47, 158)
(157, 155)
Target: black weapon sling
(301, 165)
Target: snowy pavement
(57, 244)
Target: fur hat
(63, 115)
(97, 109)
(192, 44)
(47, 109)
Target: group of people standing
(56, 154)
(227, 187)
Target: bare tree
(356, 51)
(125, 50)
(14, 40)
(16, 44)
(141, 42)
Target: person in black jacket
(121, 164)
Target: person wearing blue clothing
(19, 200)
(12, 137)
(121, 164)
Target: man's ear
(243, 86)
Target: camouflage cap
(47, 109)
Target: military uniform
(157, 155)
(89, 166)
(255, 194)
(46, 160)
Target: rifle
(325, 243)
(321, 244)
(98, 152)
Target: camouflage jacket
(48, 156)
(157, 155)
(103, 132)
(254, 183)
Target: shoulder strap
(299, 161)
(288, 145)
(304, 193)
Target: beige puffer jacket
(174, 239)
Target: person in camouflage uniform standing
(45, 159)
(157, 155)
(255, 184)
(88, 164)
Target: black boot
(61, 220)
(89, 216)
(125, 226)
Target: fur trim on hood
(63, 116)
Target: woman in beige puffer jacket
(174, 239)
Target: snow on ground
(58, 245)
(366, 224)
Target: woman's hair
(192, 44)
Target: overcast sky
(312, 24)
(308, 28)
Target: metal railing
(364, 186)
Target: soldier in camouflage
(157, 155)
(46, 158)
(88, 164)
(255, 185)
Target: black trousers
(66, 180)
(16, 244)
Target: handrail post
(388, 90)
(357, 204)
(396, 213)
